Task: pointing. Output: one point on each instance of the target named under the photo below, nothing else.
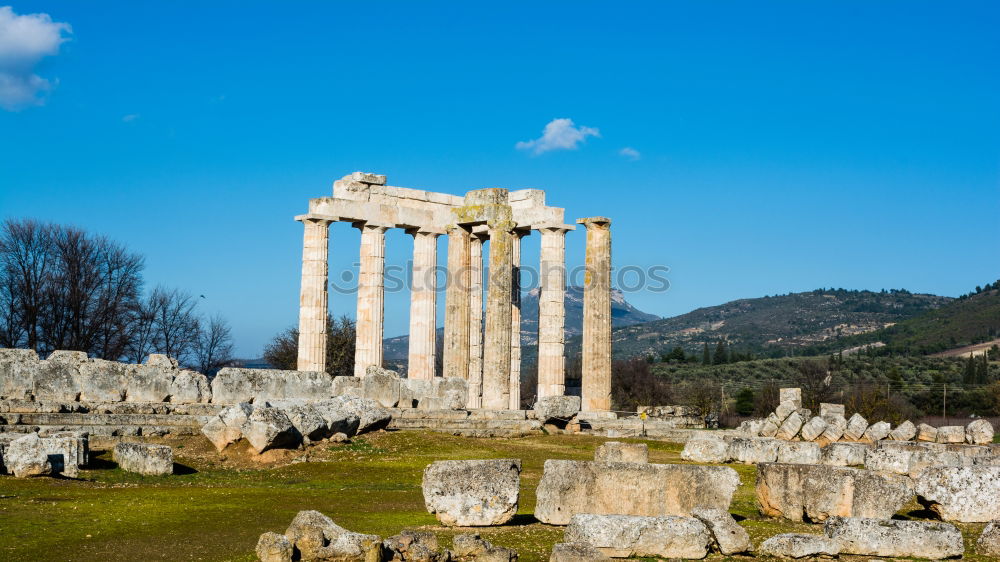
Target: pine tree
(706, 359)
(721, 357)
(970, 371)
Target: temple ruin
(481, 347)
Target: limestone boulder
(220, 434)
(418, 546)
(306, 420)
(799, 545)
(18, 368)
(189, 387)
(951, 434)
(381, 385)
(969, 494)
(556, 408)
(790, 427)
(844, 454)
(317, 537)
(813, 429)
(895, 538)
(856, 427)
(988, 543)
(148, 383)
(64, 453)
(102, 381)
(57, 378)
(979, 432)
(705, 449)
(727, 534)
(785, 409)
(793, 395)
(272, 547)
(570, 487)
(233, 386)
(269, 428)
(624, 536)
(144, 458)
(905, 431)
(877, 431)
(926, 433)
(616, 451)
(798, 452)
(25, 457)
(577, 552)
(751, 428)
(896, 461)
(273, 385)
(370, 414)
(470, 546)
(827, 410)
(835, 427)
(749, 450)
(803, 492)
(472, 493)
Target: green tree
(970, 371)
(744, 402)
(706, 359)
(282, 351)
(721, 355)
(677, 354)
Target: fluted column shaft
(313, 296)
(552, 314)
(423, 306)
(476, 323)
(368, 345)
(456, 319)
(515, 321)
(596, 392)
(496, 350)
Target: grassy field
(217, 506)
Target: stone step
(169, 420)
(105, 430)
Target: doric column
(456, 314)
(552, 314)
(368, 345)
(423, 305)
(497, 338)
(515, 320)
(597, 316)
(476, 322)
(313, 297)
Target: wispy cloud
(559, 134)
(24, 41)
(630, 153)
(130, 117)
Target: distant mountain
(775, 326)
(622, 314)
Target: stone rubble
(472, 493)
(799, 545)
(894, 538)
(728, 536)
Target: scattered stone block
(988, 543)
(827, 410)
(803, 492)
(317, 537)
(307, 421)
(856, 427)
(273, 547)
(220, 434)
(793, 395)
(472, 546)
(570, 487)
(269, 428)
(472, 493)
(835, 427)
(799, 545)
(419, 546)
(844, 454)
(926, 433)
(144, 458)
(877, 431)
(729, 537)
(705, 449)
(624, 536)
(969, 494)
(905, 431)
(616, 451)
(798, 452)
(951, 434)
(749, 450)
(769, 428)
(577, 552)
(558, 409)
(751, 428)
(979, 432)
(25, 457)
(813, 429)
(784, 410)
(371, 415)
(894, 538)
(790, 427)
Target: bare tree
(214, 346)
(175, 325)
(25, 250)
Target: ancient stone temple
(481, 344)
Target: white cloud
(130, 117)
(559, 134)
(24, 41)
(630, 153)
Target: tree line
(64, 288)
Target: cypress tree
(706, 359)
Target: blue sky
(777, 146)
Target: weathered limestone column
(476, 323)
(552, 314)
(515, 320)
(368, 345)
(497, 339)
(596, 390)
(423, 305)
(456, 314)
(314, 295)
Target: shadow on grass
(95, 462)
(182, 469)
(522, 519)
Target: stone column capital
(369, 225)
(424, 230)
(316, 220)
(595, 222)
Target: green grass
(217, 511)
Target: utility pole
(944, 404)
